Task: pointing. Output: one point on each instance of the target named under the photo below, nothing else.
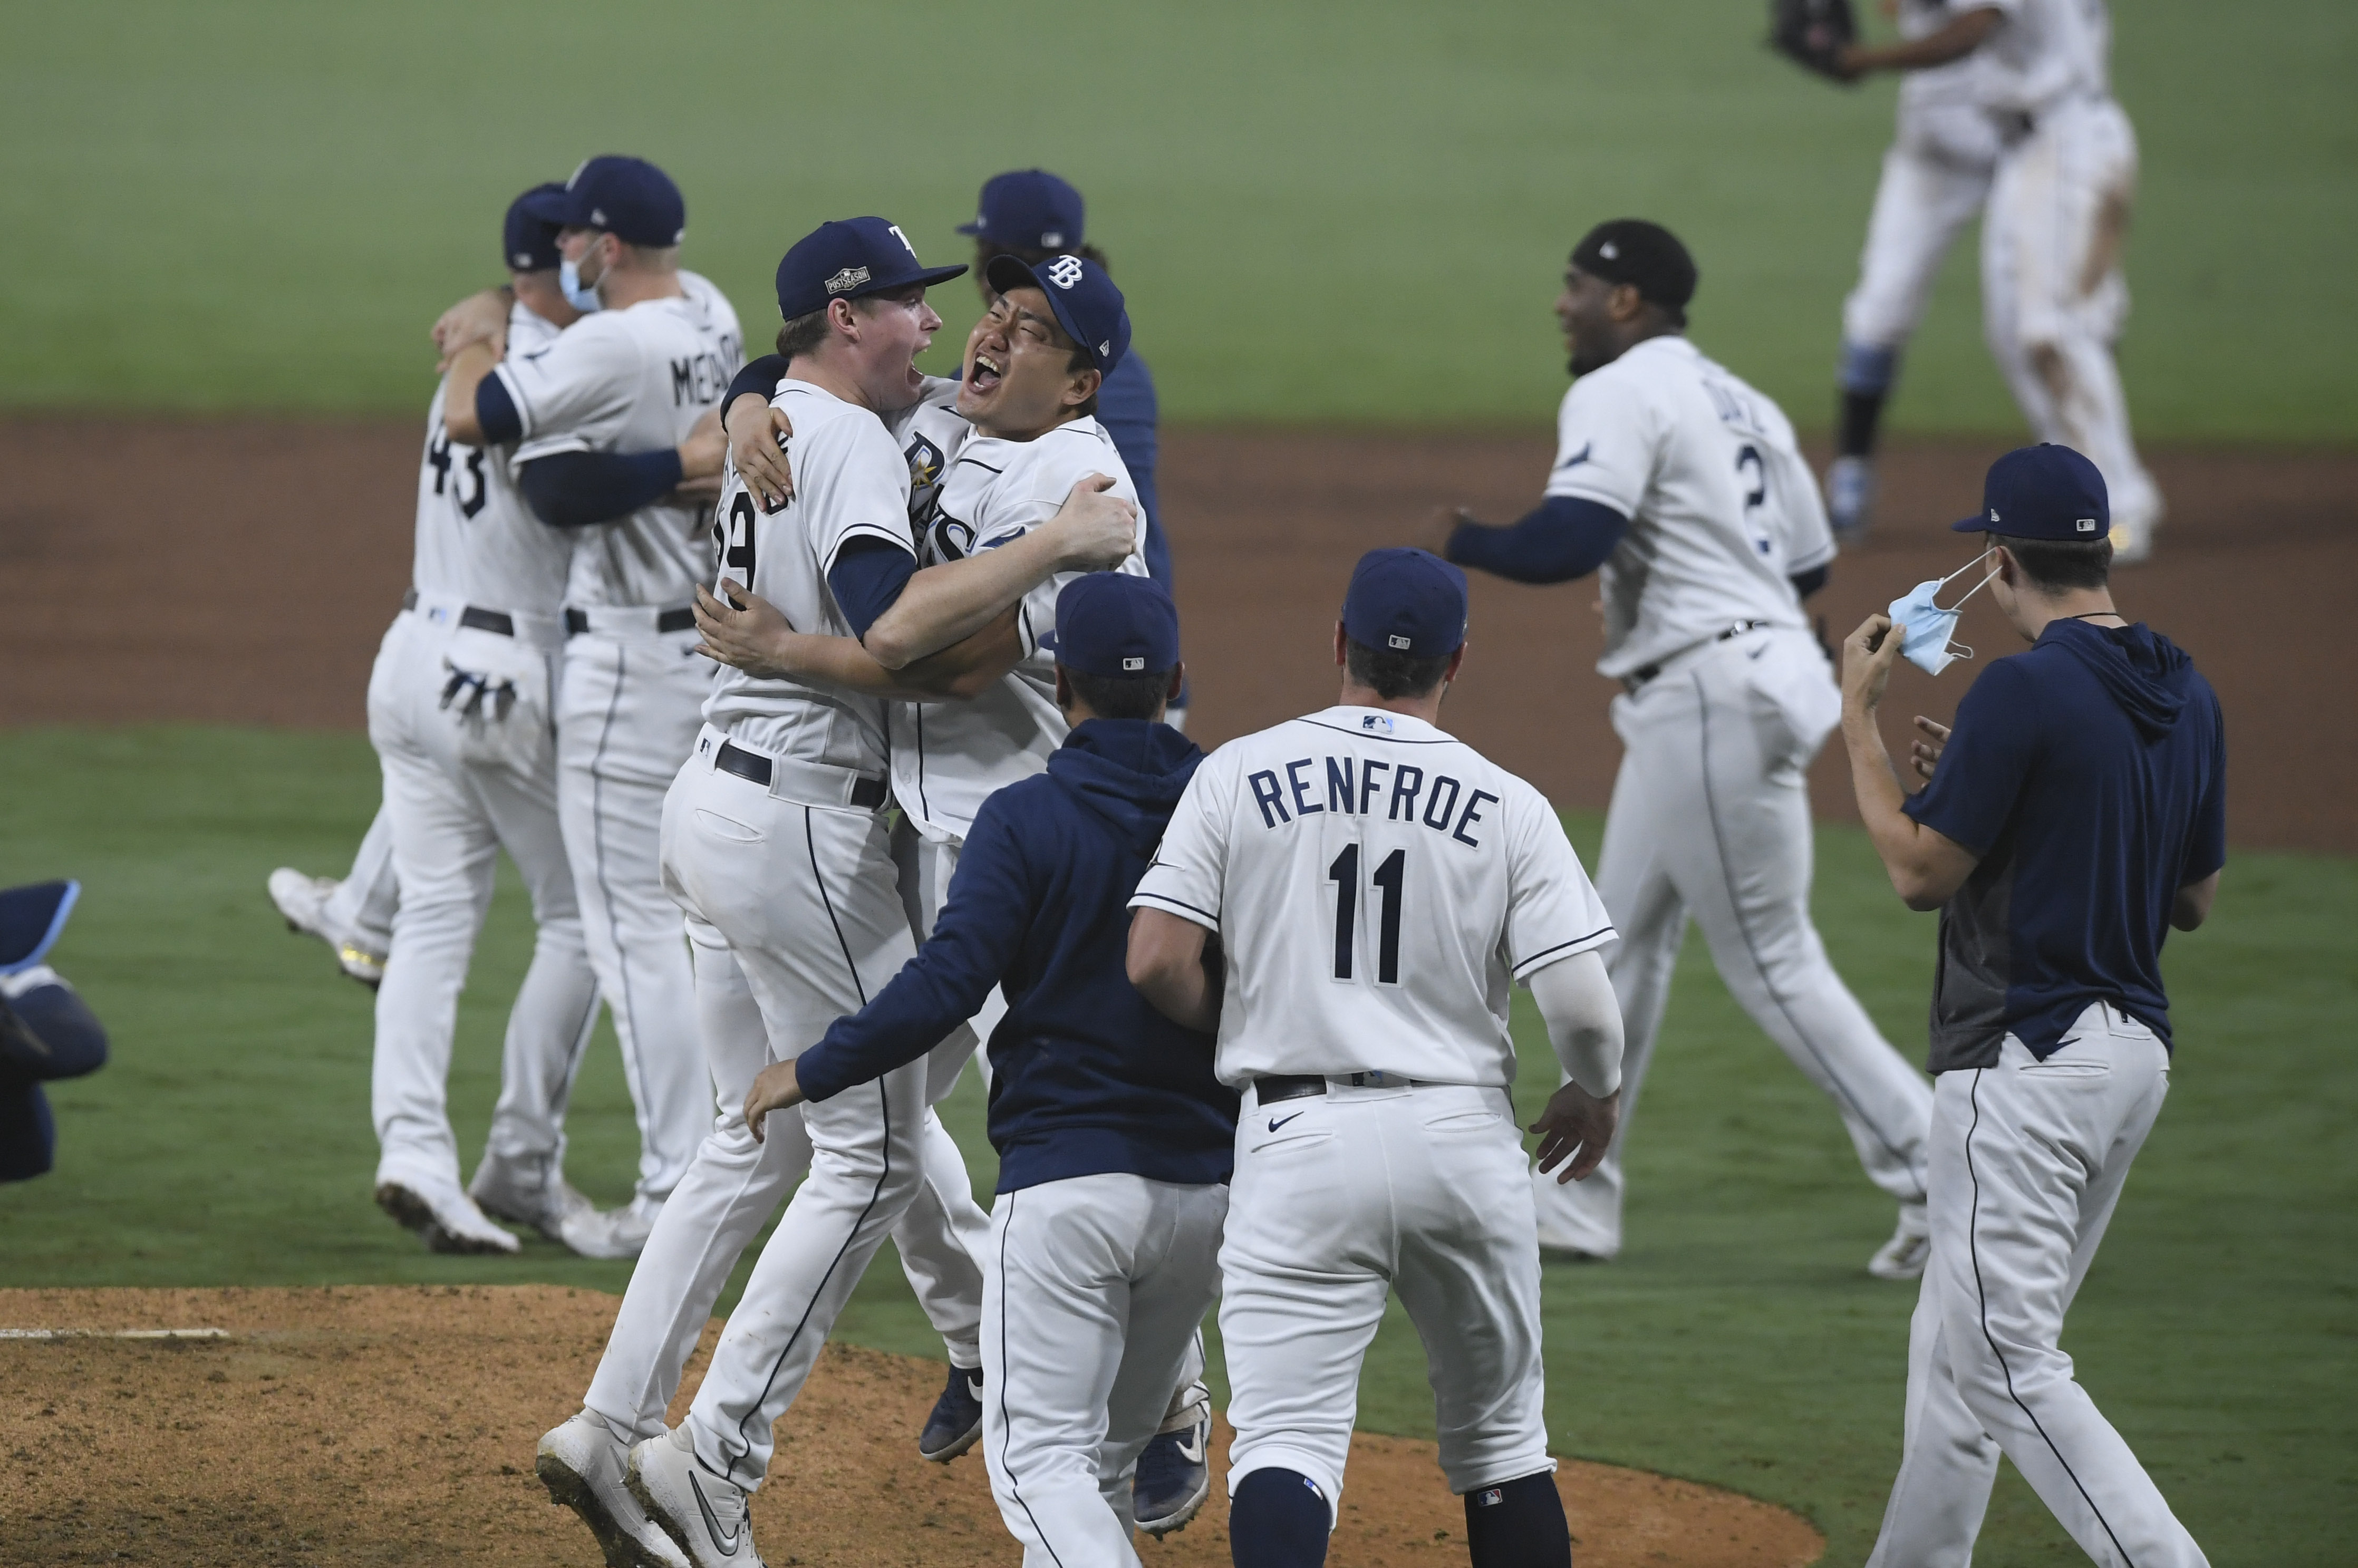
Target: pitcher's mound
(397, 1424)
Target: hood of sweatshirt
(2144, 671)
(1131, 772)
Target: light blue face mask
(1928, 646)
(582, 298)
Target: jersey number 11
(1344, 874)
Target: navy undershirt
(573, 490)
(495, 411)
(1564, 538)
(868, 577)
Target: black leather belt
(754, 767)
(578, 622)
(498, 621)
(1635, 679)
(1270, 1090)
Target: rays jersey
(1377, 886)
(631, 380)
(478, 541)
(947, 757)
(850, 482)
(1722, 507)
(2049, 52)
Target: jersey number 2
(1344, 874)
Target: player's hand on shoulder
(1096, 530)
(480, 318)
(1924, 752)
(744, 634)
(757, 437)
(1575, 1131)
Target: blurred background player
(1685, 487)
(609, 420)
(46, 1032)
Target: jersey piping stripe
(1980, 1291)
(1518, 969)
(1176, 904)
(1372, 735)
(875, 1193)
(1752, 948)
(1015, 1482)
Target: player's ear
(1082, 386)
(1178, 683)
(1625, 302)
(843, 316)
(1456, 661)
(1339, 644)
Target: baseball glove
(1814, 32)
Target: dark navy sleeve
(1809, 583)
(2206, 846)
(975, 939)
(868, 577)
(573, 490)
(495, 411)
(760, 377)
(1983, 769)
(1565, 536)
(1129, 410)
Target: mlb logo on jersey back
(1375, 722)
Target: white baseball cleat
(302, 902)
(1850, 498)
(703, 1513)
(1904, 1256)
(584, 1466)
(609, 1233)
(446, 1221)
(536, 1194)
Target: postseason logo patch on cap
(850, 277)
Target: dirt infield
(397, 1425)
(243, 571)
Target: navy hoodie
(1087, 1077)
(2089, 776)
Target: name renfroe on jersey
(1377, 886)
(634, 380)
(478, 541)
(948, 758)
(1721, 508)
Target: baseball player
(1115, 1140)
(1376, 888)
(46, 1032)
(2076, 812)
(775, 844)
(460, 707)
(354, 915)
(1685, 484)
(596, 416)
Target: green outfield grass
(1737, 1341)
(1323, 212)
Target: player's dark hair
(2057, 566)
(1390, 673)
(1121, 697)
(987, 251)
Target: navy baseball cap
(529, 236)
(1406, 601)
(1082, 294)
(1108, 624)
(629, 198)
(1645, 255)
(848, 258)
(2044, 491)
(30, 919)
(1028, 210)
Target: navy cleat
(957, 1421)
(1174, 1477)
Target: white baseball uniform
(364, 901)
(628, 381)
(1378, 887)
(461, 705)
(2053, 296)
(1728, 699)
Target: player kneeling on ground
(1379, 886)
(1115, 1140)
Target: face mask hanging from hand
(1928, 625)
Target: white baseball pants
(804, 894)
(627, 717)
(2053, 295)
(1936, 175)
(1339, 1200)
(2028, 1162)
(1095, 1288)
(1711, 817)
(462, 780)
(364, 902)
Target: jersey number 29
(734, 535)
(1389, 874)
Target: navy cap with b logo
(629, 198)
(1408, 601)
(2045, 492)
(849, 258)
(529, 236)
(1108, 624)
(1028, 209)
(1087, 304)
